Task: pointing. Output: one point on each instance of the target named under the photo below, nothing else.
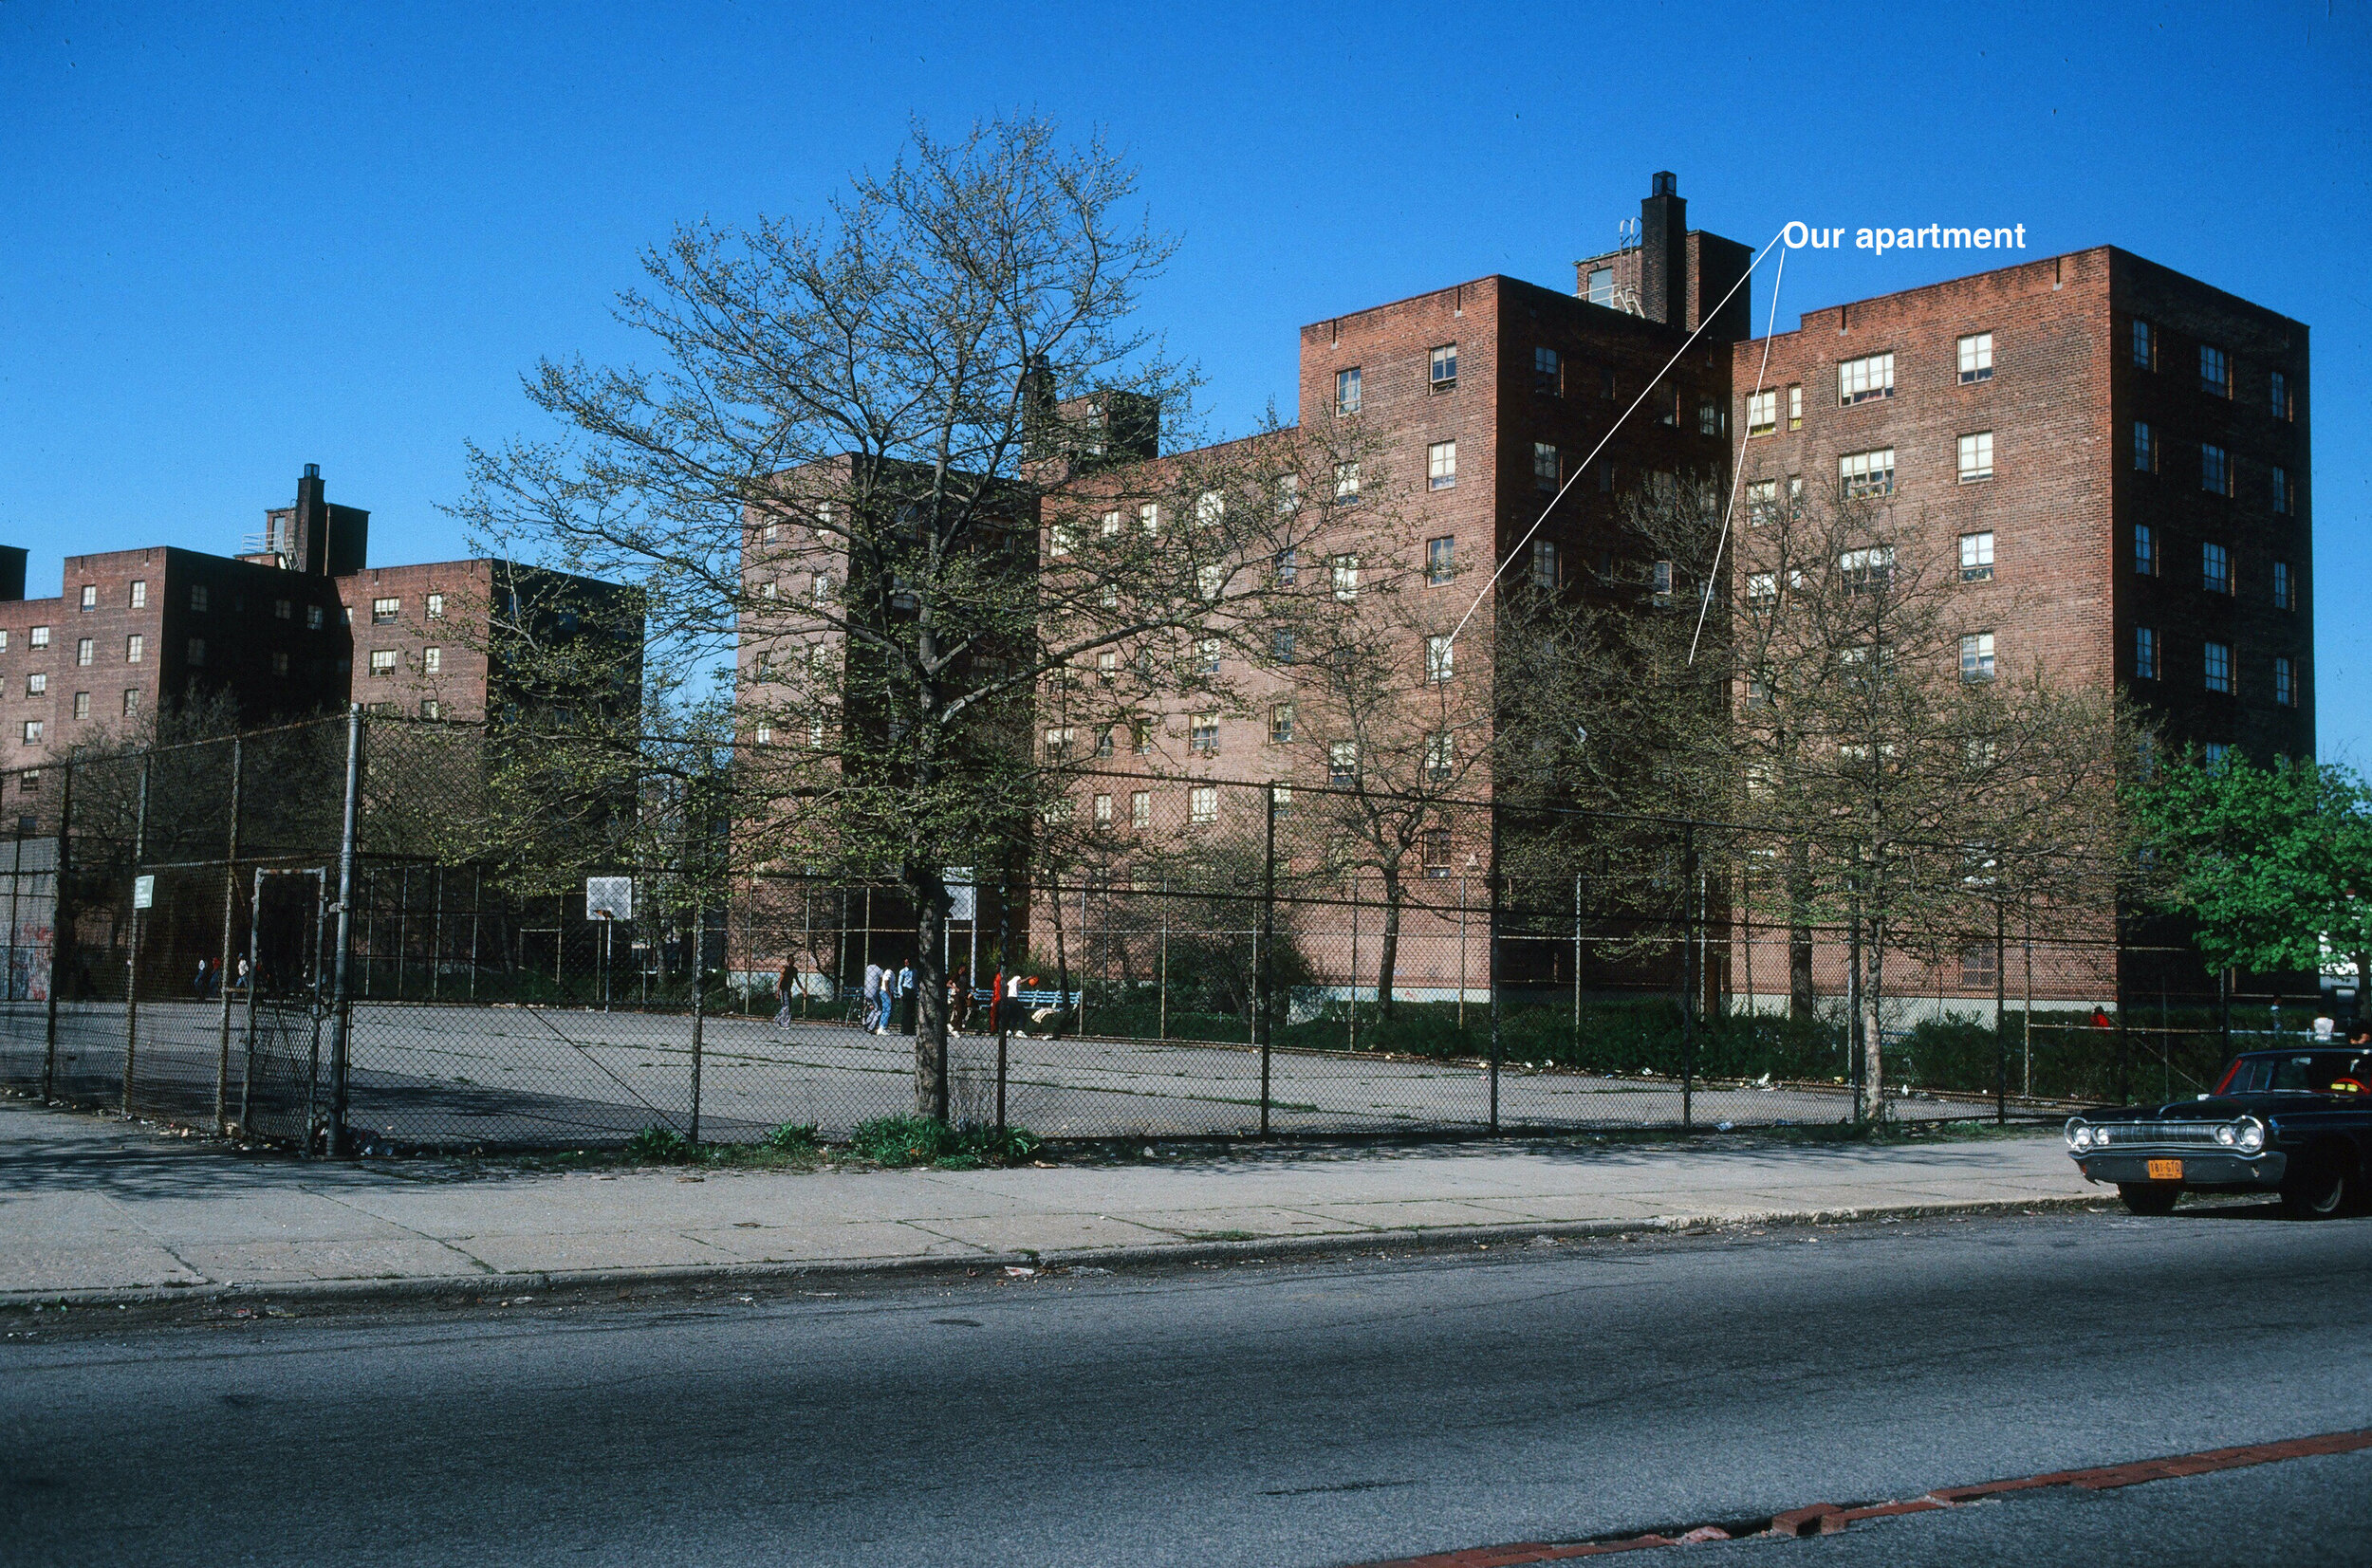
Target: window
(82, 650)
(3, 639)
(2214, 371)
(2278, 384)
(1606, 476)
(1659, 578)
(139, 595)
(1343, 763)
(383, 611)
(1864, 380)
(2144, 344)
(1107, 665)
(1281, 647)
(1140, 739)
(1976, 353)
(431, 661)
(1103, 811)
(1149, 518)
(1980, 968)
(32, 731)
(1141, 808)
(1977, 557)
(1202, 803)
(1547, 372)
(2145, 653)
(1210, 511)
(762, 735)
(90, 595)
(1867, 569)
(383, 661)
(1202, 732)
(2218, 667)
(1976, 457)
(1211, 579)
(2284, 681)
(1543, 564)
(198, 597)
(135, 650)
(2283, 594)
(1433, 851)
(2214, 469)
(1544, 465)
(1442, 465)
(1346, 391)
(1346, 483)
(1672, 409)
(1057, 540)
(1206, 655)
(1345, 573)
(1600, 289)
(1762, 587)
(82, 705)
(1104, 741)
(1710, 416)
(1866, 473)
(131, 703)
(281, 609)
(2216, 568)
(432, 709)
(1605, 382)
(2215, 753)
(1440, 659)
(2144, 550)
(312, 617)
(1761, 413)
(36, 684)
(1280, 800)
(1762, 501)
(1976, 656)
(1441, 755)
(1289, 500)
(1281, 724)
(40, 637)
(1795, 406)
(2284, 499)
(1437, 560)
(280, 663)
(2144, 447)
(1442, 369)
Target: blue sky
(235, 241)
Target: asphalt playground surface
(518, 1075)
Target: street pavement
(1272, 1413)
(91, 1205)
(453, 1075)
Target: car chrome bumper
(2200, 1167)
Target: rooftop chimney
(1663, 229)
(11, 571)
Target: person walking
(906, 1008)
(872, 1014)
(785, 983)
(958, 1002)
(203, 983)
(245, 978)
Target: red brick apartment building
(300, 626)
(2118, 454)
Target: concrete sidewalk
(96, 1208)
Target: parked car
(2294, 1122)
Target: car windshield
(2301, 1072)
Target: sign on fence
(609, 899)
(962, 900)
(143, 892)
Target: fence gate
(285, 1091)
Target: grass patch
(901, 1142)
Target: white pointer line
(1737, 469)
(1583, 465)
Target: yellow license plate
(2165, 1170)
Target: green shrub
(792, 1137)
(927, 1140)
(660, 1146)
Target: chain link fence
(267, 934)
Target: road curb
(474, 1288)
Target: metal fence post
(254, 988)
(222, 969)
(2001, 1014)
(1689, 984)
(61, 929)
(698, 1016)
(340, 1000)
(1264, 1014)
(132, 961)
(1491, 973)
(996, 992)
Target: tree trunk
(1061, 956)
(927, 890)
(1873, 1037)
(1391, 953)
(1803, 994)
(2363, 991)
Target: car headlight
(2099, 1134)
(2227, 1136)
(2249, 1133)
(2079, 1135)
